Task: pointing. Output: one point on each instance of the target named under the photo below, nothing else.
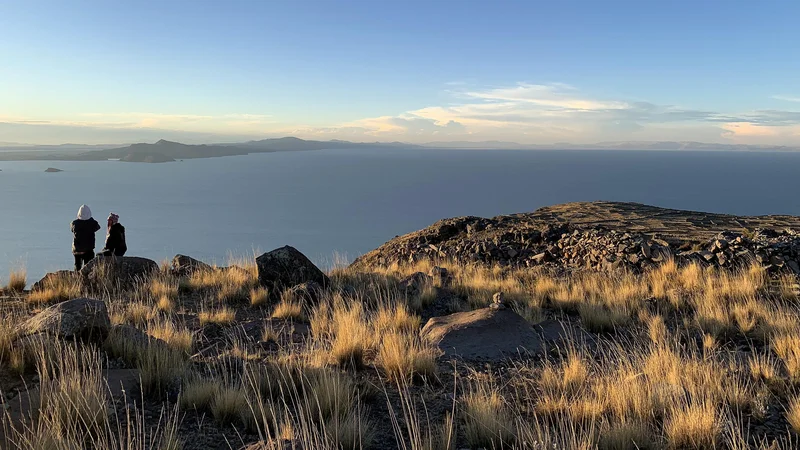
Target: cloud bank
(525, 113)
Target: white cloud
(786, 98)
(523, 112)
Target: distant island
(53, 170)
(168, 151)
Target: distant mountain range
(167, 151)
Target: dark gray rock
(486, 333)
(54, 278)
(183, 265)
(286, 267)
(107, 273)
(78, 318)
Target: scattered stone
(498, 301)
(286, 267)
(482, 334)
(77, 318)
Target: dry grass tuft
(487, 422)
(793, 414)
(56, 289)
(177, 337)
(259, 296)
(17, 280)
(693, 425)
(221, 316)
(289, 308)
(403, 356)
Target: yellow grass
(56, 289)
(259, 296)
(402, 356)
(487, 422)
(17, 280)
(793, 414)
(693, 425)
(220, 316)
(177, 337)
(289, 308)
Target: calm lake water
(348, 202)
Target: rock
(107, 273)
(498, 301)
(78, 318)
(308, 293)
(646, 251)
(776, 261)
(482, 334)
(793, 266)
(286, 267)
(540, 258)
(53, 278)
(52, 170)
(440, 276)
(706, 255)
(414, 284)
(183, 265)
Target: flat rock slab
(486, 333)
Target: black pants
(81, 259)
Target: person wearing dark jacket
(115, 238)
(83, 230)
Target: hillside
(692, 343)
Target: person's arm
(96, 226)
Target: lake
(348, 202)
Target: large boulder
(78, 318)
(286, 267)
(108, 273)
(183, 265)
(487, 334)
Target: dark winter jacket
(115, 241)
(83, 235)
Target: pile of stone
(776, 251)
(509, 242)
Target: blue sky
(417, 71)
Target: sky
(532, 71)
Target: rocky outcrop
(107, 273)
(488, 333)
(77, 318)
(183, 266)
(602, 235)
(286, 267)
